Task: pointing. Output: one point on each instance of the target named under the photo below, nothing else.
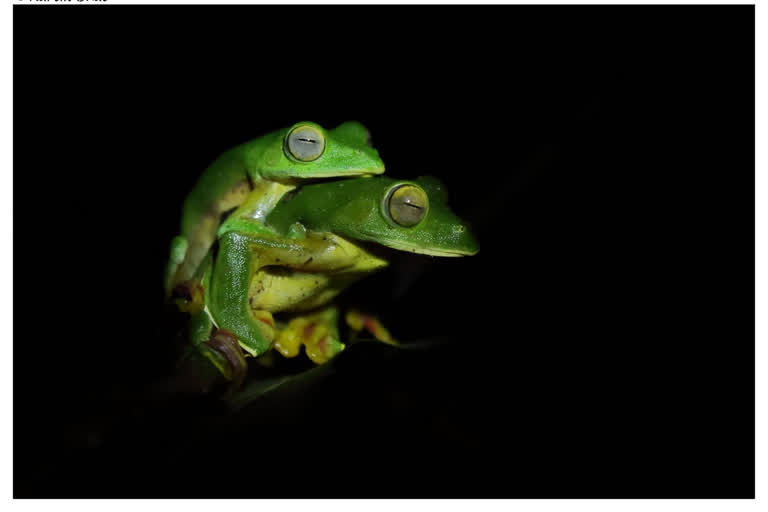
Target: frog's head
(405, 215)
(306, 150)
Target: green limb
(179, 247)
(241, 256)
(219, 347)
(232, 274)
(318, 332)
(200, 328)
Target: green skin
(312, 232)
(357, 209)
(252, 177)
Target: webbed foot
(358, 322)
(318, 333)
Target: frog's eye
(305, 143)
(407, 205)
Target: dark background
(601, 344)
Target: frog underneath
(323, 238)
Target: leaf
(356, 358)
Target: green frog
(315, 242)
(242, 185)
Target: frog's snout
(465, 239)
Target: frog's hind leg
(241, 256)
(318, 332)
(219, 346)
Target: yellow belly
(276, 289)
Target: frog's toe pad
(358, 321)
(179, 246)
(322, 348)
(319, 339)
(189, 297)
(266, 323)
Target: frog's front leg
(241, 256)
(179, 246)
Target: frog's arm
(260, 199)
(179, 246)
(241, 255)
(238, 188)
(224, 185)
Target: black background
(601, 344)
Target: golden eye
(407, 205)
(305, 143)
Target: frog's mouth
(431, 252)
(414, 249)
(308, 178)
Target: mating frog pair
(255, 242)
